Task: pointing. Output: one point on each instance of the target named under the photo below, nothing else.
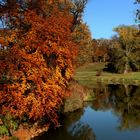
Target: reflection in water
(99, 119)
(124, 100)
(72, 129)
(81, 131)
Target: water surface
(113, 115)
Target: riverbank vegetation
(88, 75)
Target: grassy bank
(88, 75)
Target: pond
(113, 115)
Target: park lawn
(87, 75)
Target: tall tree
(36, 65)
(82, 37)
(127, 49)
(77, 9)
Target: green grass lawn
(87, 74)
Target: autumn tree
(82, 37)
(37, 63)
(77, 9)
(126, 49)
(100, 53)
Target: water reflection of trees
(71, 129)
(81, 131)
(77, 130)
(124, 100)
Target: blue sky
(103, 15)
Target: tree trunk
(126, 68)
(127, 62)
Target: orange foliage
(38, 65)
(82, 36)
(101, 47)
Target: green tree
(126, 47)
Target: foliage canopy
(36, 56)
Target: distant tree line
(121, 52)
